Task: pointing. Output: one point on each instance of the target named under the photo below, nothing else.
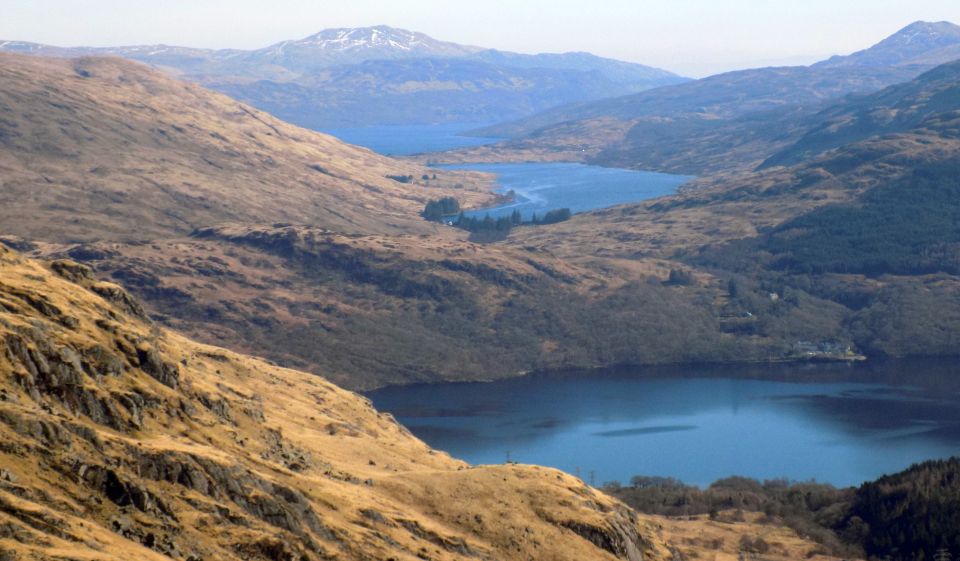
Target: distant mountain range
(382, 75)
(723, 121)
(287, 59)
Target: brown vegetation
(122, 440)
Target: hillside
(434, 309)
(131, 154)
(402, 77)
(123, 440)
(719, 123)
(913, 105)
(724, 96)
(712, 275)
(911, 513)
(865, 232)
(312, 275)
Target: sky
(691, 37)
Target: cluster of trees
(436, 210)
(810, 508)
(679, 277)
(488, 223)
(911, 516)
(504, 224)
(552, 216)
(409, 178)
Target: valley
(578, 295)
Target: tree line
(439, 210)
(910, 516)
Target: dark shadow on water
(645, 430)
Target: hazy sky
(693, 37)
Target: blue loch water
(842, 425)
(405, 140)
(539, 188)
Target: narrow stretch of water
(405, 140)
(842, 425)
(539, 188)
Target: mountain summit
(920, 43)
(354, 45)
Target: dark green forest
(908, 227)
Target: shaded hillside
(714, 124)
(124, 441)
(94, 149)
(610, 70)
(906, 227)
(912, 105)
(723, 96)
(402, 77)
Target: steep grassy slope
(122, 440)
(128, 153)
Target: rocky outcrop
(618, 537)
